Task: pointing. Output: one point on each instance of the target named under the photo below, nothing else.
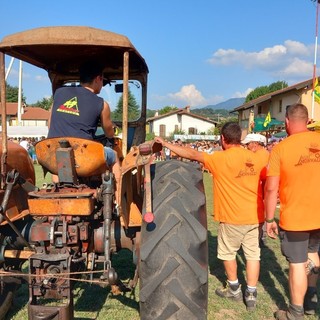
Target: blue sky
(198, 52)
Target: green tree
(277, 86)
(44, 103)
(150, 136)
(262, 90)
(167, 109)
(133, 108)
(151, 113)
(211, 131)
(217, 129)
(12, 94)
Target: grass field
(93, 302)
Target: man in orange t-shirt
(257, 142)
(238, 206)
(294, 170)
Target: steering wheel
(100, 137)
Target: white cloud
(290, 59)
(298, 48)
(189, 95)
(239, 94)
(296, 68)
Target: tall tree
(167, 109)
(12, 94)
(44, 103)
(260, 91)
(133, 108)
(150, 113)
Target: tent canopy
(26, 131)
(258, 124)
(281, 134)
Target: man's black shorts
(295, 245)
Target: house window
(162, 129)
(192, 131)
(259, 109)
(280, 106)
(176, 128)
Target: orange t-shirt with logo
(237, 175)
(264, 154)
(296, 160)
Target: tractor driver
(76, 111)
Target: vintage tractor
(71, 228)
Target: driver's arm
(106, 122)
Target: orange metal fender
(132, 183)
(18, 159)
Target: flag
(267, 120)
(316, 91)
(251, 122)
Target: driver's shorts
(110, 156)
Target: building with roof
(178, 121)
(29, 116)
(276, 103)
(30, 122)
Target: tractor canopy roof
(62, 49)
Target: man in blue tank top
(76, 111)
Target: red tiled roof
(35, 113)
(12, 108)
(30, 113)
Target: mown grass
(94, 302)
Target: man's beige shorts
(231, 237)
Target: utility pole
(20, 93)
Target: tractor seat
(88, 155)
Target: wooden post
(3, 121)
(125, 103)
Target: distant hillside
(227, 105)
(221, 111)
(218, 112)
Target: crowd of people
(28, 143)
(248, 182)
(208, 147)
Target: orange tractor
(72, 228)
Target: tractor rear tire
(173, 267)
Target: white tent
(26, 131)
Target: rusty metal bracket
(11, 180)
(48, 284)
(26, 185)
(146, 157)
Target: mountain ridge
(229, 104)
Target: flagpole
(315, 61)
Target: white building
(178, 121)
